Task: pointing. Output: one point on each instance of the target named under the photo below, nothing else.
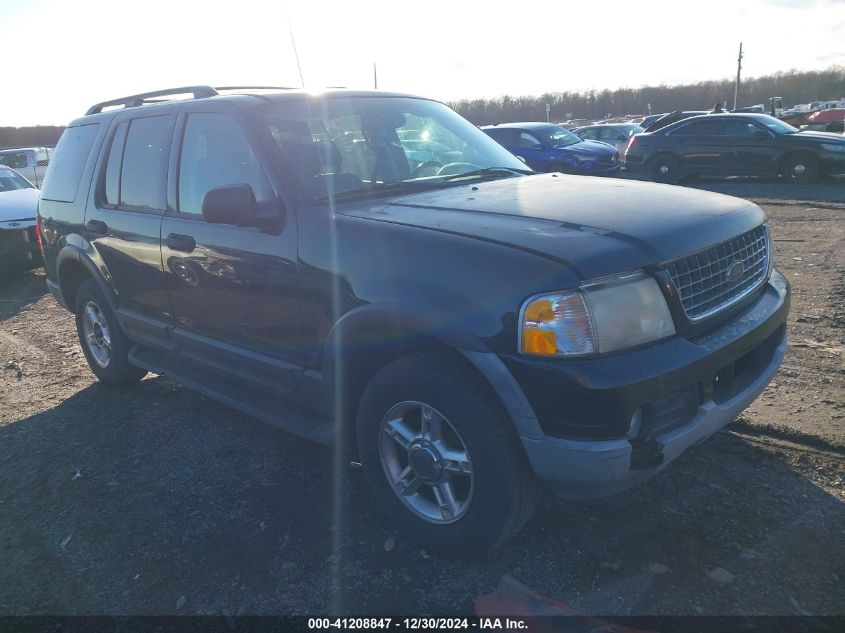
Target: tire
(494, 491)
(665, 168)
(104, 344)
(800, 168)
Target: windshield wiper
(489, 170)
(378, 189)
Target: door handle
(177, 242)
(97, 227)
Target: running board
(253, 402)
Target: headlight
(833, 148)
(600, 317)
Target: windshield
(347, 147)
(776, 125)
(558, 136)
(10, 181)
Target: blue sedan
(549, 147)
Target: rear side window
(65, 170)
(700, 128)
(144, 170)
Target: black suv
(372, 267)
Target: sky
(69, 54)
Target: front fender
(346, 335)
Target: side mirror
(522, 158)
(232, 204)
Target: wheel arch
(368, 338)
(73, 267)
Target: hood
(596, 226)
(827, 137)
(588, 148)
(19, 204)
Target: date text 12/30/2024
(417, 624)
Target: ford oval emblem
(734, 272)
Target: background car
(549, 147)
(654, 122)
(31, 162)
(18, 207)
(735, 145)
(830, 120)
(616, 134)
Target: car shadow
(154, 500)
(20, 289)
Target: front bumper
(744, 354)
(19, 247)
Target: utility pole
(375, 76)
(738, 71)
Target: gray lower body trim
(511, 394)
(584, 470)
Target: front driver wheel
(441, 458)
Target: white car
(31, 162)
(18, 207)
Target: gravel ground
(153, 500)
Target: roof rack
(220, 88)
(199, 92)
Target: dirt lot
(153, 500)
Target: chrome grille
(702, 280)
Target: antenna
(738, 70)
(375, 77)
(295, 53)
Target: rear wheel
(441, 458)
(800, 168)
(104, 344)
(665, 168)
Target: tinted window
(589, 135)
(144, 170)
(215, 153)
(62, 180)
(610, 134)
(527, 141)
(700, 128)
(112, 179)
(741, 128)
(504, 136)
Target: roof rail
(199, 92)
(221, 88)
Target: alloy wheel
(426, 462)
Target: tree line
(794, 86)
(39, 135)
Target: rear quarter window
(61, 182)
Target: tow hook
(646, 454)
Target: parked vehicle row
(472, 327)
(18, 237)
(735, 145)
(547, 147)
